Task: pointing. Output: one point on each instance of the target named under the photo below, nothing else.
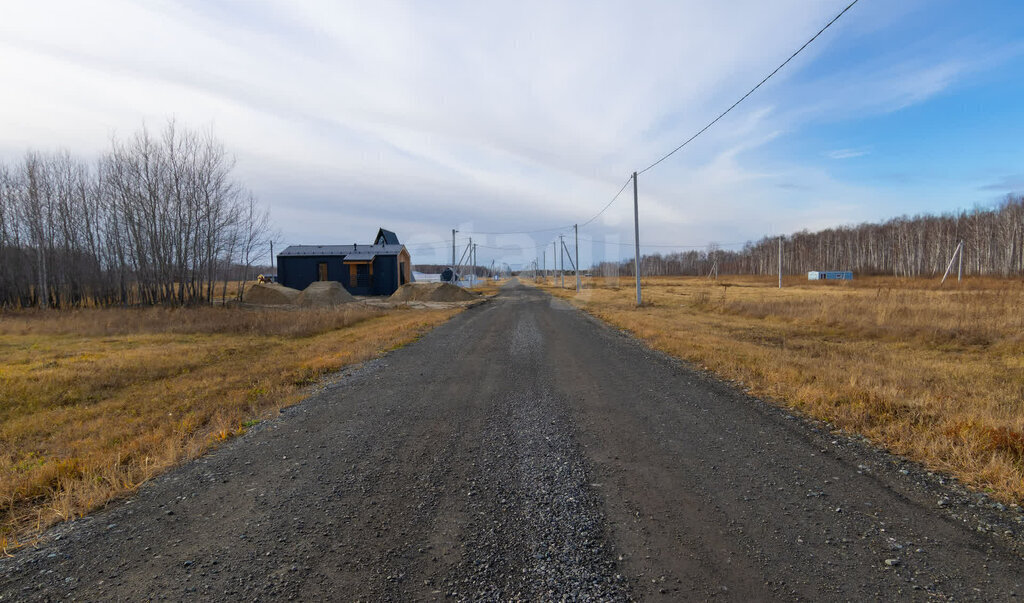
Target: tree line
(993, 245)
(158, 219)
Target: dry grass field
(935, 374)
(95, 402)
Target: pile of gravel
(270, 294)
(435, 292)
(323, 294)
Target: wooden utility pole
(636, 238)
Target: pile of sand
(270, 294)
(437, 292)
(324, 293)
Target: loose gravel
(524, 451)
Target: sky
(512, 121)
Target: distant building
(830, 275)
(377, 269)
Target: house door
(322, 270)
(360, 278)
(363, 276)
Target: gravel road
(523, 451)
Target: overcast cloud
(494, 117)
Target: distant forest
(157, 219)
(906, 246)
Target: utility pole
(960, 261)
(561, 256)
(473, 282)
(636, 238)
(554, 259)
(957, 253)
(271, 254)
(453, 252)
(576, 229)
(780, 262)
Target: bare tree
(159, 219)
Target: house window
(322, 270)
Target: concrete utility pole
(554, 258)
(271, 254)
(780, 262)
(636, 238)
(561, 256)
(453, 252)
(473, 282)
(576, 229)
(957, 253)
(960, 262)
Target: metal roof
(387, 236)
(349, 251)
(360, 256)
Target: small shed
(830, 275)
(377, 269)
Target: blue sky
(955, 148)
(517, 116)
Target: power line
(678, 148)
(568, 226)
(742, 98)
(605, 208)
(513, 246)
(680, 246)
(521, 231)
(436, 243)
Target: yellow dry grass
(935, 374)
(95, 402)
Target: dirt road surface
(524, 451)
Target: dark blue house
(377, 269)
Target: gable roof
(358, 251)
(387, 237)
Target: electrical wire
(436, 243)
(705, 245)
(568, 226)
(744, 97)
(477, 232)
(678, 148)
(605, 208)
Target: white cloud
(847, 153)
(349, 115)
